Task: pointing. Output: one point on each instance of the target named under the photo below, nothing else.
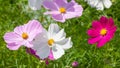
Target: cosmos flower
(99, 4)
(75, 64)
(52, 41)
(23, 35)
(102, 31)
(35, 4)
(62, 10)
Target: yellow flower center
(24, 35)
(50, 42)
(62, 10)
(103, 32)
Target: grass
(16, 12)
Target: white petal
(107, 3)
(39, 40)
(100, 6)
(35, 4)
(93, 3)
(43, 51)
(60, 35)
(66, 43)
(40, 45)
(57, 51)
(53, 29)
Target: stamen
(103, 32)
(24, 35)
(62, 10)
(50, 42)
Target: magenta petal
(103, 41)
(110, 23)
(93, 32)
(50, 5)
(51, 57)
(112, 31)
(94, 40)
(96, 25)
(13, 46)
(103, 21)
(58, 17)
(32, 52)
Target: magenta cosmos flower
(23, 35)
(102, 31)
(62, 10)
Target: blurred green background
(16, 12)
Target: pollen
(103, 32)
(24, 35)
(50, 42)
(62, 10)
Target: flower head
(62, 10)
(35, 4)
(99, 4)
(23, 35)
(75, 64)
(52, 43)
(102, 31)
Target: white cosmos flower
(54, 39)
(99, 4)
(35, 4)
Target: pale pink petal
(52, 12)
(69, 15)
(33, 28)
(78, 10)
(28, 44)
(13, 46)
(60, 3)
(94, 40)
(69, 5)
(19, 30)
(50, 5)
(12, 37)
(58, 17)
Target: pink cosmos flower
(23, 35)
(102, 31)
(62, 10)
